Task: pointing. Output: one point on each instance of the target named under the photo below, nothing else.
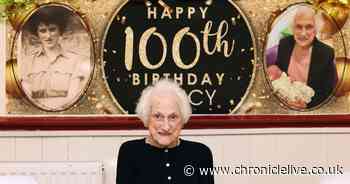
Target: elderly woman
(162, 157)
(51, 75)
(307, 60)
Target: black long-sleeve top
(142, 163)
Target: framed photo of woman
(55, 58)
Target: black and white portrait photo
(55, 57)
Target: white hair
(307, 9)
(143, 107)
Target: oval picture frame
(280, 29)
(53, 57)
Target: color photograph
(300, 61)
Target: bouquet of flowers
(292, 90)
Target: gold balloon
(343, 70)
(343, 2)
(317, 2)
(337, 11)
(328, 28)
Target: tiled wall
(302, 147)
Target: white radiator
(55, 172)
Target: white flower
(292, 91)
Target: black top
(322, 75)
(141, 163)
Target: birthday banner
(243, 57)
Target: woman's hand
(297, 104)
(300, 104)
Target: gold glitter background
(259, 101)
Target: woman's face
(165, 122)
(49, 35)
(304, 29)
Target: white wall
(301, 147)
